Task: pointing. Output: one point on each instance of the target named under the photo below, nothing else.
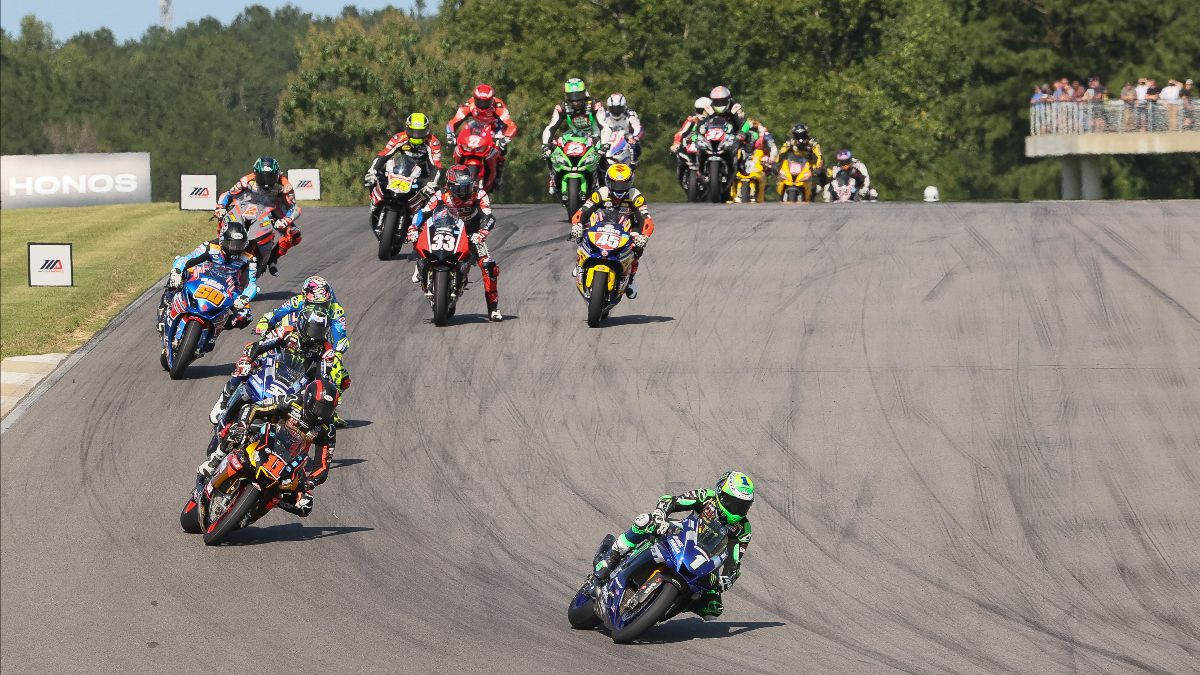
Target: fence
(1091, 117)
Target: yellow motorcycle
(796, 180)
(751, 183)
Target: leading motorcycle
(444, 249)
(605, 256)
(657, 580)
(716, 147)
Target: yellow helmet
(619, 180)
(417, 128)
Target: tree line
(924, 91)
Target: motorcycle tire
(187, 350)
(245, 500)
(715, 194)
(389, 233)
(598, 299)
(583, 617)
(162, 360)
(744, 193)
(189, 518)
(693, 186)
(791, 195)
(655, 610)
(441, 297)
(574, 197)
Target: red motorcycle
(444, 250)
(476, 147)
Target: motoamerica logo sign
(75, 180)
(200, 192)
(51, 266)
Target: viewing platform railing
(1113, 116)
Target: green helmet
(575, 92)
(735, 494)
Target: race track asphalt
(975, 430)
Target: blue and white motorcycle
(193, 319)
(655, 581)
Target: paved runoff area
(974, 428)
(20, 374)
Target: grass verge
(118, 252)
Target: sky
(128, 19)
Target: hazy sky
(128, 19)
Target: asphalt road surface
(975, 431)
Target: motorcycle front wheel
(597, 299)
(245, 500)
(389, 233)
(715, 194)
(582, 612)
(654, 611)
(693, 186)
(187, 349)
(441, 297)
(574, 197)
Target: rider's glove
(235, 433)
(674, 147)
(262, 326)
(429, 189)
(243, 366)
(175, 279)
(577, 232)
(724, 582)
(242, 302)
(411, 236)
(451, 139)
(545, 151)
(639, 240)
(280, 225)
(479, 237)
(659, 522)
(501, 142)
(220, 212)
(370, 179)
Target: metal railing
(1115, 116)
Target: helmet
(460, 182)
(721, 99)
(266, 172)
(313, 326)
(317, 291)
(702, 104)
(800, 132)
(417, 128)
(575, 92)
(931, 194)
(234, 240)
(619, 180)
(844, 157)
(616, 105)
(735, 494)
(484, 96)
(318, 400)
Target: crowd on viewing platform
(1071, 107)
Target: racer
(308, 337)
(228, 257)
(761, 138)
(468, 201)
(800, 144)
(618, 193)
(732, 498)
(616, 115)
(577, 112)
(419, 145)
(484, 106)
(266, 178)
(691, 124)
(856, 171)
(725, 107)
(311, 413)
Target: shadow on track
(634, 320)
(204, 371)
(477, 318)
(274, 295)
(357, 424)
(252, 536)
(695, 629)
(349, 461)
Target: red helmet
(484, 96)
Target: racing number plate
(274, 466)
(210, 294)
(399, 184)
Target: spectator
(1142, 86)
(1077, 91)
(1169, 98)
(1128, 93)
(1171, 92)
(1186, 95)
(1038, 96)
(1095, 89)
(1152, 91)
(1129, 97)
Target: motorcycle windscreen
(253, 208)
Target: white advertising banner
(197, 192)
(50, 265)
(307, 183)
(74, 180)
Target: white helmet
(616, 105)
(702, 104)
(931, 194)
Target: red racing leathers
(476, 212)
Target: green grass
(118, 252)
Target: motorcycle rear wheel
(245, 500)
(388, 234)
(598, 299)
(187, 350)
(657, 608)
(441, 297)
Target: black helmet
(460, 182)
(234, 240)
(800, 132)
(313, 326)
(318, 400)
(266, 172)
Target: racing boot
(631, 289)
(301, 506)
(375, 226)
(209, 466)
(605, 567)
(494, 313)
(218, 409)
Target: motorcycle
(255, 210)
(575, 158)
(691, 181)
(796, 179)
(280, 372)
(658, 579)
(843, 188)
(716, 148)
(444, 249)
(751, 178)
(248, 483)
(194, 317)
(619, 149)
(398, 191)
(476, 148)
(605, 256)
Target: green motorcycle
(575, 158)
